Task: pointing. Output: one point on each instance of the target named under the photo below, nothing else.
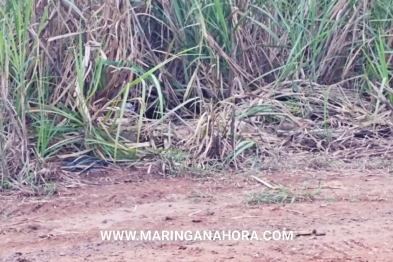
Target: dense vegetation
(209, 83)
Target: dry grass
(213, 83)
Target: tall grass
(199, 74)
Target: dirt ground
(353, 211)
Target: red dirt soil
(354, 210)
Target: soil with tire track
(354, 210)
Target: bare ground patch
(354, 209)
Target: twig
(264, 182)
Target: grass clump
(280, 195)
(218, 81)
